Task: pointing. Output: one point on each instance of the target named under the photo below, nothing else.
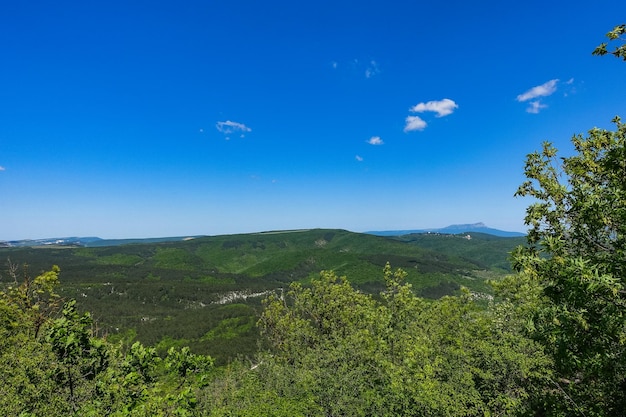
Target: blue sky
(143, 119)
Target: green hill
(486, 251)
(206, 292)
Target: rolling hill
(206, 292)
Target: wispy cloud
(414, 123)
(372, 69)
(442, 107)
(535, 107)
(356, 66)
(2, 168)
(543, 90)
(359, 158)
(228, 127)
(375, 140)
(570, 88)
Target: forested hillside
(206, 293)
(484, 250)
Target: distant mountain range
(454, 229)
(87, 241)
(98, 242)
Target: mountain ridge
(89, 242)
(93, 241)
(453, 229)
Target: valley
(207, 292)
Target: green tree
(353, 354)
(615, 35)
(80, 356)
(576, 258)
(35, 298)
(325, 335)
(27, 305)
(52, 363)
(141, 383)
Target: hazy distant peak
(467, 226)
(479, 227)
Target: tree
(27, 306)
(615, 34)
(36, 298)
(352, 354)
(80, 356)
(576, 257)
(323, 341)
(52, 363)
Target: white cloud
(229, 127)
(414, 123)
(334, 64)
(359, 158)
(2, 168)
(542, 90)
(535, 107)
(442, 107)
(375, 140)
(570, 81)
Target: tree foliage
(353, 354)
(52, 362)
(615, 35)
(26, 305)
(576, 256)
